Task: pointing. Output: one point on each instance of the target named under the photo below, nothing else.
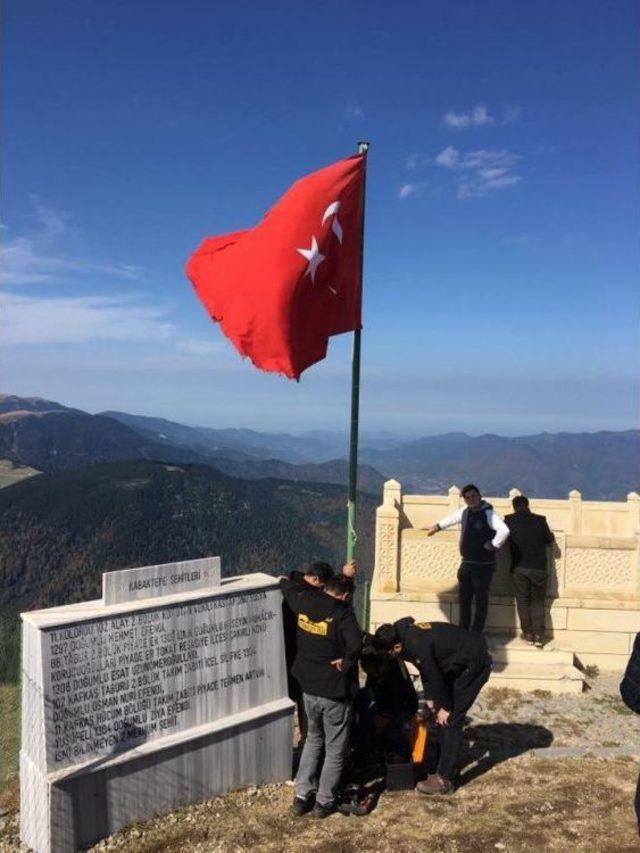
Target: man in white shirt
(482, 533)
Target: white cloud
(407, 190)
(477, 117)
(24, 263)
(479, 172)
(352, 112)
(448, 158)
(58, 320)
(38, 258)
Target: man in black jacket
(329, 642)
(630, 692)
(529, 536)
(313, 578)
(454, 665)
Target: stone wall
(593, 598)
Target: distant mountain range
(601, 465)
(50, 437)
(60, 531)
(122, 490)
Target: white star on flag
(314, 256)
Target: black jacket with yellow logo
(327, 630)
(441, 652)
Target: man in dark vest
(529, 536)
(482, 533)
(329, 641)
(454, 665)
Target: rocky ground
(541, 773)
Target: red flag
(281, 289)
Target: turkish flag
(281, 289)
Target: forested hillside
(58, 533)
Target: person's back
(454, 664)
(327, 630)
(329, 642)
(529, 536)
(451, 647)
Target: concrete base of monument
(133, 708)
(85, 804)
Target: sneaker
(302, 805)
(528, 638)
(538, 641)
(321, 811)
(434, 784)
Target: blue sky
(501, 264)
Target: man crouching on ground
(454, 665)
(329, 643)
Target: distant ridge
(50, 437)
(603, 465)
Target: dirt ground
(524, 804)
(540, 773)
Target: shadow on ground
(486, 745)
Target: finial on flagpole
(363, 147)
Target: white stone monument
(132, 706)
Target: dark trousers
(531, 590)
(464, 691)
(295, 693)
(474, 581)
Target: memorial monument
(170, 689)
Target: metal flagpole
(363, 148)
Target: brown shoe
(434, 784)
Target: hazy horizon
(370, 434)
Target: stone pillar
(454, 498)
(385, 574)
(633, 505)
(575, 513)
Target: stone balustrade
(593, 594)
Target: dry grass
(613, 703)
(521, 805)
(501, 698)
(9, 731)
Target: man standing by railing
(483, 532)
(530, 536)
